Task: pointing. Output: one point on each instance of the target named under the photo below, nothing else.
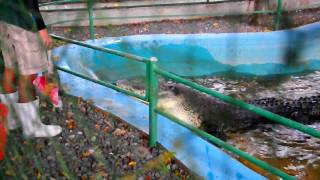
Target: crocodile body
(218, 116)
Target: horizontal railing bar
(107, 50)
(140, 5)
(187, 15)
(109, 85)
(60, 2)
(160, 16)
(227, 146)
(262, 112)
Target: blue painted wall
(193, 55)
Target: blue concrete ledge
(197, 154)
(194, 55)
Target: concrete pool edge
(196, 55)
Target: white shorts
(22, 49)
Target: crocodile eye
(175, 90)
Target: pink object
(41, 83)
(54, 96)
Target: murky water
(282, 87)
(289, 150)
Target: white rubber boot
(31, 123)
(9, 100)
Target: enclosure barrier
(151, 98)
(91, 18)
(152, 71)
(61, 2)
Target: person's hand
(46, 39)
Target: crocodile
(219, 117)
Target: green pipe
(169, 4)
(279, 11)
(60, 2)
(91, 18)
(228, 147)
(107, 50)
(161, 16)
(264, 113)
(109, 85)
(153, 98)
(147, 82)
(146, 5)
(189, 15)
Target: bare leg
(9, 95)
(9, 81)
(26, 89)
(28, 110)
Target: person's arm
(33, 6)
(46, 38)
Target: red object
(40, 82)
(3, 131)
(48, 89)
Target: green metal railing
(90, 9)
(150, 97)
(152, 72)
(279, 12)
(61, 2)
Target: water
(289, 150)
(252, 87)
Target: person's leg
(7, 53)
(9, 95)
(9, 81)
(8, 92)
(31, 59)
(26, 89)
(27, 110)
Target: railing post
(153, 98)
(279, 12)
(147, 82)
(90, 13)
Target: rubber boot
(9, 100)
(31, 123)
